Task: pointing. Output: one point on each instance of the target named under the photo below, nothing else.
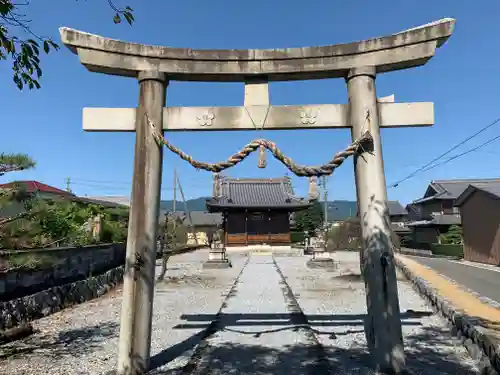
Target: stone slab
(321, 254)
(217, 255)
(217, 264)
(318, 116)
(322, 263)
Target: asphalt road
(480, 280)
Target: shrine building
(255, 211)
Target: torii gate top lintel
(406, 49)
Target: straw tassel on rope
(364, 144)
(262, 157)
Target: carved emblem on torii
(308, 117)
(206, 119)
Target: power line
(111, 188)
(463, 153)
(423, 168)
(490, 152)
(127, 186)
(103, 183)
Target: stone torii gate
(358, 63)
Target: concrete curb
(426, 254)
(471, 336)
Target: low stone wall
(35, 306)
(38, 305)
(28, 272)
(473, 337)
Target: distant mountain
(341, 210)
(337, 209)
(197, 204)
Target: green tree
(453, 236)
(63, 223)
(310, 219)
(15, 162)
(20, 44)
(15, 194)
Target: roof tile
(35, 186)
(452, 189)
(256, 192)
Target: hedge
(297, 237)
(449, 250)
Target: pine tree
(310, 219)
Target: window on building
(447, 206)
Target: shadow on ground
(424, 351)
(423, 358)
(73, 342)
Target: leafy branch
(15, 162)
(25, 51)
(44, 223)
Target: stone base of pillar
(217, 259)
(217, 264)
(308, 250)
(322, 259)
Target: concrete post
(383, 322)
(138, 285)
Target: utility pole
(325, 213)
(68, 185)
(325, 200)
(188, 213)
(174, 204)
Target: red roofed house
(37, 188)
(32, 187)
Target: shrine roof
(256, 193)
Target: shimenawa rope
(359, 146)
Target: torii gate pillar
(138, 283)
(382, 324)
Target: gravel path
(334, 303)
(258, 326)
(83, 340)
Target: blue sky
(462, 80)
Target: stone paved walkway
(257, 332)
